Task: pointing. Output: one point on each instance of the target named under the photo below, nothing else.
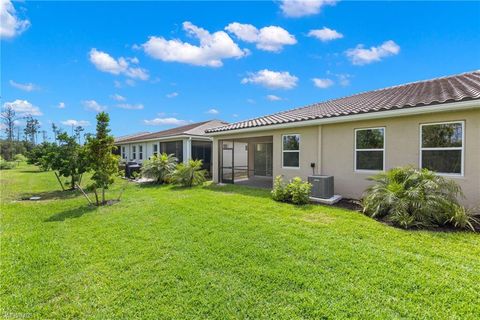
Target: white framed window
(442, 147)
(140, 152)
(155, 149)
(291, 151)
(134, 152)
(124, 155)
(369, 149)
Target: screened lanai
(246, 161)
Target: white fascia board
(410, 111)
(169, 138)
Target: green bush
(410, 197)
(160, 168)
(463, 218)
(278, 192)
(296, 191)
(6, 165)
(190, 174)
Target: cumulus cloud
(106, 63)
(212, 49)
(166, 122)
(322, 83)
(129, 106)
(61, 105)
(10, 24)
(270, 38)
(93, 105)
(75, 123)
(117, 97)
(23, 86)
(23, 108)
(301, 8)
(361, 55)
(325, 34)
(272, 97)
(172, 95)
(272, 79)
(213, 111)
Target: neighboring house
(185, 142)
(432, 124)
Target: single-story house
(184, 142)
(432, 124)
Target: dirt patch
(350, 204)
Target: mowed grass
(220, 253)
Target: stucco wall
(331, 148)
(402, 141)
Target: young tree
(71, 159)
(101, 158)
(9, 119)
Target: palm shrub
(461, 217)
(190, 174)
(159, 167)
(410, 197)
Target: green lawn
(220, 252)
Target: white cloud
(130, 82)
(270, 38)
(251, 101)
(93, 105)
(272, 79)
(10, 24)
(106, 63)
(172, 95)
(325, 34)
(117, 97)
(166, 121)
(360, 55)
(129, 106)
(212, 50)
(272, 97)
(344, 79)
(301, 8)
(75, 123)
(61, 105)
(23, 86)
(23, 108)
(213, 111)
(322, 83)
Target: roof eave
(172, 137)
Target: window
(202, 150)
(291, 151)
(140, 152)
(441, 147)
(155, 149)
(369, 149)
(134, 152)
(124, 156)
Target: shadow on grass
(51, 195)
(71, 214)
(243, 190)
(31, 171)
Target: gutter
(445, 107)
(172, 138)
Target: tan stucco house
(185, 142)
(431, 124)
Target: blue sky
(154, 65)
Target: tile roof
(461, 87)
(121, 138)
(194, 129)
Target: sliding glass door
(263, 159)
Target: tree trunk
(96, 196)
(72, 187)
(59, 181)
(103, 195)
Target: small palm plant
(189, 174)
(159, 167)
(409, 197)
